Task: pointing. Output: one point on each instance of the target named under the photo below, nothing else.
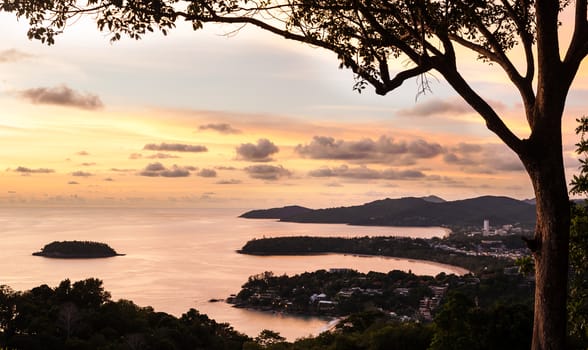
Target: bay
(178, 258)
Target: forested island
(76, 250)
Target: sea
(179, 258)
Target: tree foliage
(578, 285)
(462, 325)
(82, 316)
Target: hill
(276, 213)
(411, 211)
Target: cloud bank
(206, 173)
(159, 170)
(25, 170)
(175, 147)
(222, 128)
(365, 173)
(383, 150)
(261, 152)
(267, 172)
(61, 96)
(13, 55)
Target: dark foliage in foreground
(82, 316)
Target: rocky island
(76, 250)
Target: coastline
(73, 256)
(453, 268)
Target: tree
(460, 324)
(578, 288)
(367, 35)
(267, 338)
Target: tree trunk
(544, 163)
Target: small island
(77, 250)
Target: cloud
(160, 155)
(109, 179)
(175, 147)
(118, 170)
(483, 159)
(62, 96)
(229, 182)
(453, 158)
(222, 167)
(81, 174)
(267, 172)
(383, 150)
(83, 153)
(222, 128)
(88, 164)
(365, 173)
(207, 173)
(25, 170)
(135, 156)
(13, 55)
(158, 170)
(436, 106)
(257, 153)
(467, 148)
(73, 183)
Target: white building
(486, 229)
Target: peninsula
(76, 250)
(471, 257)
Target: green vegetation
(400, 247)
(491, 311)
(342, 292)
(578, 283)
(82, 316)
(76, 250)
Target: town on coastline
(492, 255)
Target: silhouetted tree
(578, 288)
(367, 35)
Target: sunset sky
(198, 119)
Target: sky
(247, 120)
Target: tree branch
(578, 48)
(523, 84)
(524, 34)
(394, 83)
(493, 122)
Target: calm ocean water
(178, 259)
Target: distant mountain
(434, 199)
(411, 211)
(276, 213)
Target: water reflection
(181, 258)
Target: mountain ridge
(411, 211)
